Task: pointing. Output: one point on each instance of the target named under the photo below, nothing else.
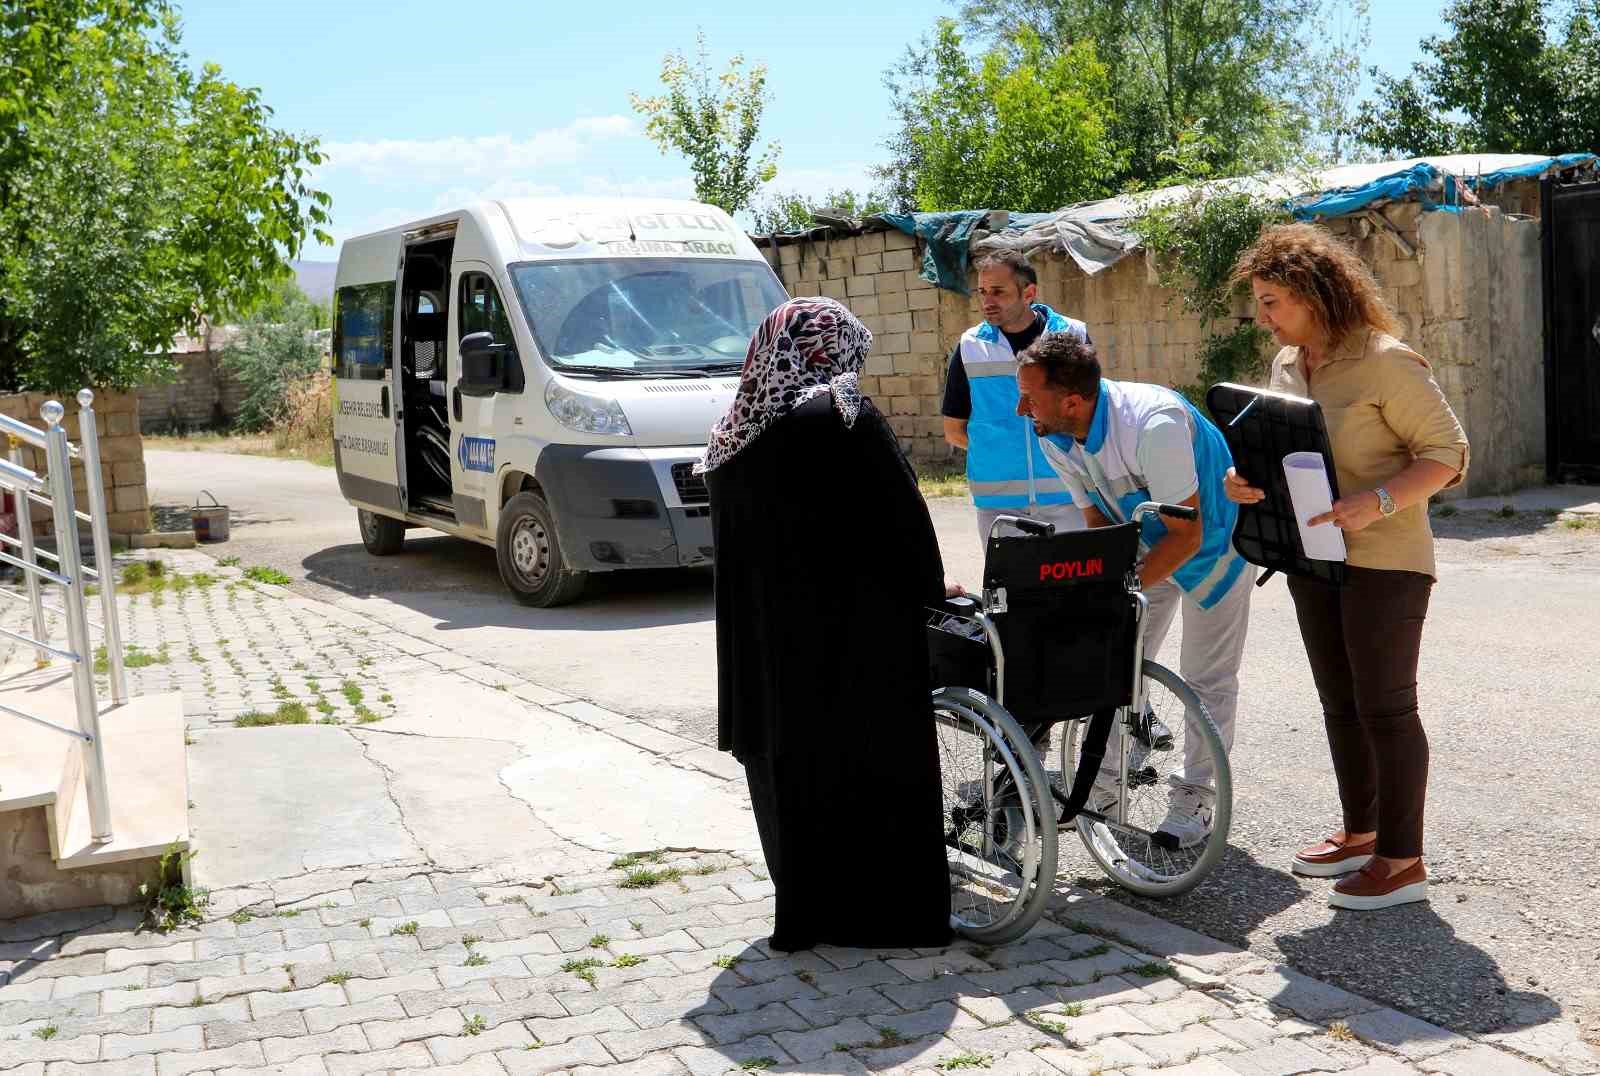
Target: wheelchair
(1050, 656)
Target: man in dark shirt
(1006, 469)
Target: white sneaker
(1189, 810)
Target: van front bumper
(626, 507)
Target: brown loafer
(1373, 887)
(1332, 858)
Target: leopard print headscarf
(804, 348)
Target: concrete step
(148, 780)
(52, 861)
(34, 758)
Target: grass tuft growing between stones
(290, 713)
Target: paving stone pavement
(656, 964)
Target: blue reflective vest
(1006, 468)
(1106, 465)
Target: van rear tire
(528, 552)
(382, 536)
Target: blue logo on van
(476, 454)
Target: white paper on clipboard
(1311, 495)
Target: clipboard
(1261, 428)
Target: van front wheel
(529, 554)
(382, 536)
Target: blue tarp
(1535, 168)
(1425, 181)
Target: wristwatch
(1386, 503)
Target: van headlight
(584, 413)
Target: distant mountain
(316, 279)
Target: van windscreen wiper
(634, 371)
(603, 371)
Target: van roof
(567, 227)
(527, 212)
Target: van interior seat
(427, 346)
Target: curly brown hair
(1324, 272)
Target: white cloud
(818, 182)
(667, 187)
(410, 159)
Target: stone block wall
(1483, 329)
(877, 275)
(1465, 288)
(204, 394)
(32, 884)
(121, 457)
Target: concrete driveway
(1510, 673)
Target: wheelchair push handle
(1036, 527)
(1174, 511)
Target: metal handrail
(56, 609)
(16, 543)
(43, 573)
(32, 434)
(4, 709)
(19, 477)
(40, 499)
(73, 577)
(39, 644)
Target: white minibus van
(540, 375)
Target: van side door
(479, 308)
(365, 406)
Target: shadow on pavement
(458, 584)
(1229, 905)
(777, 998)
(1410, 958)
(1477, 525)
(168, 518)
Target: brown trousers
(1362, 640)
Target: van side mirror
(482, 364)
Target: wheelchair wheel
(999, 838)
(1166, 744)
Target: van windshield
(646, 316)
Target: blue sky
(422, 106)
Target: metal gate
(1571, 239)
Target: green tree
(1195, 242)
(793, 212)
(139, 196)
(1339, 36)
(1509, 78)
(281, 298)
(1227, 67)
(274, 351)
(1019, 129)
(714, 121)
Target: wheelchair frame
(981, 610)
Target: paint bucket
(210, 521)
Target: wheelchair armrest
(965, 606)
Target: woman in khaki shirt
(1395, 443)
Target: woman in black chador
(825, 560)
